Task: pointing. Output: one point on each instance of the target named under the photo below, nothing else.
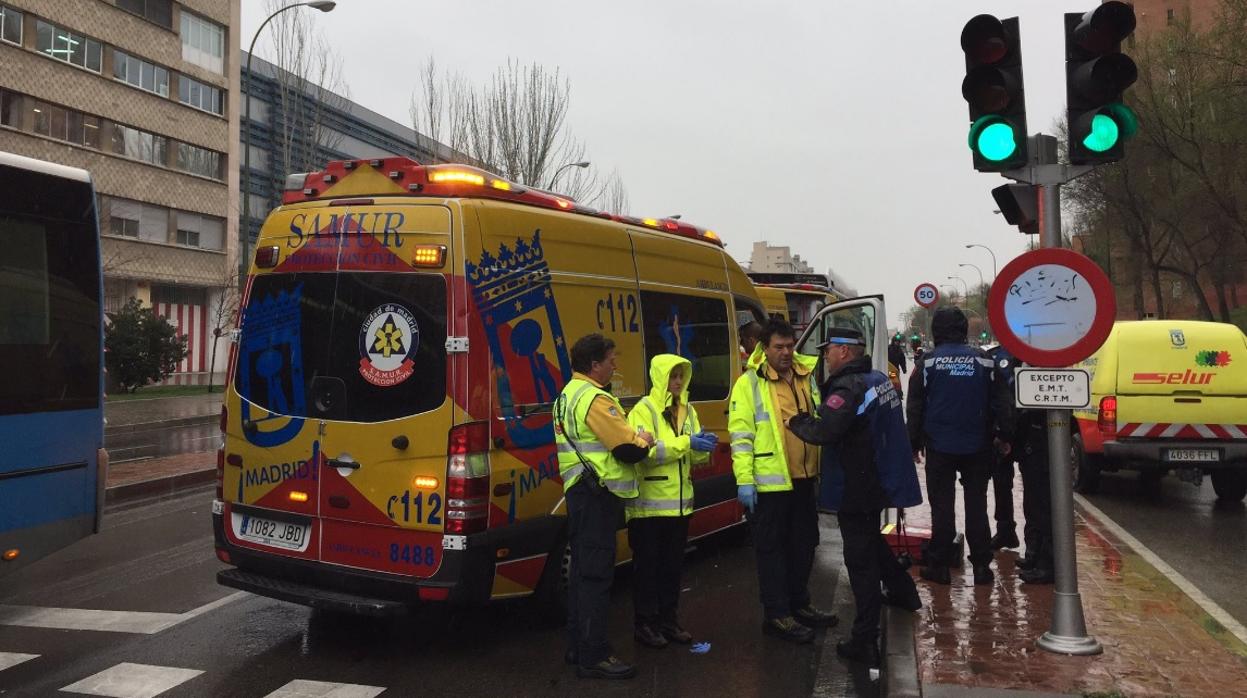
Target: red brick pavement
(154, 468)
(1157, 641)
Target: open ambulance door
(865, 314)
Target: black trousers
(657, 560)
(593, 516)
(785, 534)
(870, 562)
(1037, 506)
(1002, 488)
(942, 470)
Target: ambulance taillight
(1108, 416)
(467, 479)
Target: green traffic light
(996, 142)
(1104, 133)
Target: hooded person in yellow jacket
(777, 479)
(658, 516)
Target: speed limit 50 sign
(926, 295)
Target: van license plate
(277, 534)
(1192, 455)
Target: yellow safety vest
(758, 456)
(665, 478)
(575, 441)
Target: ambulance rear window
(360, 347)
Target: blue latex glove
(702, 442)
(747, 495)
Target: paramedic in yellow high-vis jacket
(658, 517)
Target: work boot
(1004, 539)
(813, 618)
(609, 668)
(674, 633)
(1039, 574)
(903, 602)
(1025, 562)
(936, 573)
(648, 636)
(983, 575)
(787, 628)
(859, 650)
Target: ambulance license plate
(1192, 455)
(276, 534)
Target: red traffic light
(1102, 29)
(984, 41)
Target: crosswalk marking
(141, 622)
(128, 680)
(11, 659)
(321, 689)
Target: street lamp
(582, 164)
(989, 251)
(244, 231)
(975, 268)
(964, 285)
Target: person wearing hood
(958, 407)
(861, 427)
(777, 480)
(658, 517)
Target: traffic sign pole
(1068, 634)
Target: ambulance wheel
(1085, 467)
(1230, 485)
(550, 598)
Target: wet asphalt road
(158, 558)
(1203, 539)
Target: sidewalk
(183, 409)
(153, 477)
(1157, 641)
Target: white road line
(1208, 605)
(301, 688)
(128, 680)
(12, 659)
(140, 622)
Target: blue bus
(52, 458)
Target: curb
(157, 487)
(176, 422)
(899, 674)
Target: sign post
(926, 295)
(1053, 307)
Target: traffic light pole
(1068, 634)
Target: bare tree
(514, 125)
(310, 88)
(614, 196)
(223, 314)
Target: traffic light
(1096, 74)
(1019, 204)
(993, 88)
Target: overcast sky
(835, 127)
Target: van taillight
(1108, 416)
(467, 478)
(220, 457)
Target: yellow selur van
(405, 329)
(1166, 395)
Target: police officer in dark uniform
(957, 408)
(1031, 448)
(862, 425)
(1002, 471)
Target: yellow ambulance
(1166, 395)
(405, 329)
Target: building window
(140, 73)
(125, 227)
(136, 219)
(178, 295)
(67, 46)
(200, 96)
(140, 145)
(196, 230)
(157, 11)
(200, 161)
(60, 123)
(10, 109)
(1169, 16)
(203, 43)
(11, 25)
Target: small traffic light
(993, 89)
(1096, 74)
(983, 334)
(1019, 204)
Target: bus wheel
(550, 598)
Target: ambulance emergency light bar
(413, 179)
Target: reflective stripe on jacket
(571, 425)
(664, 479)
(757, 436)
